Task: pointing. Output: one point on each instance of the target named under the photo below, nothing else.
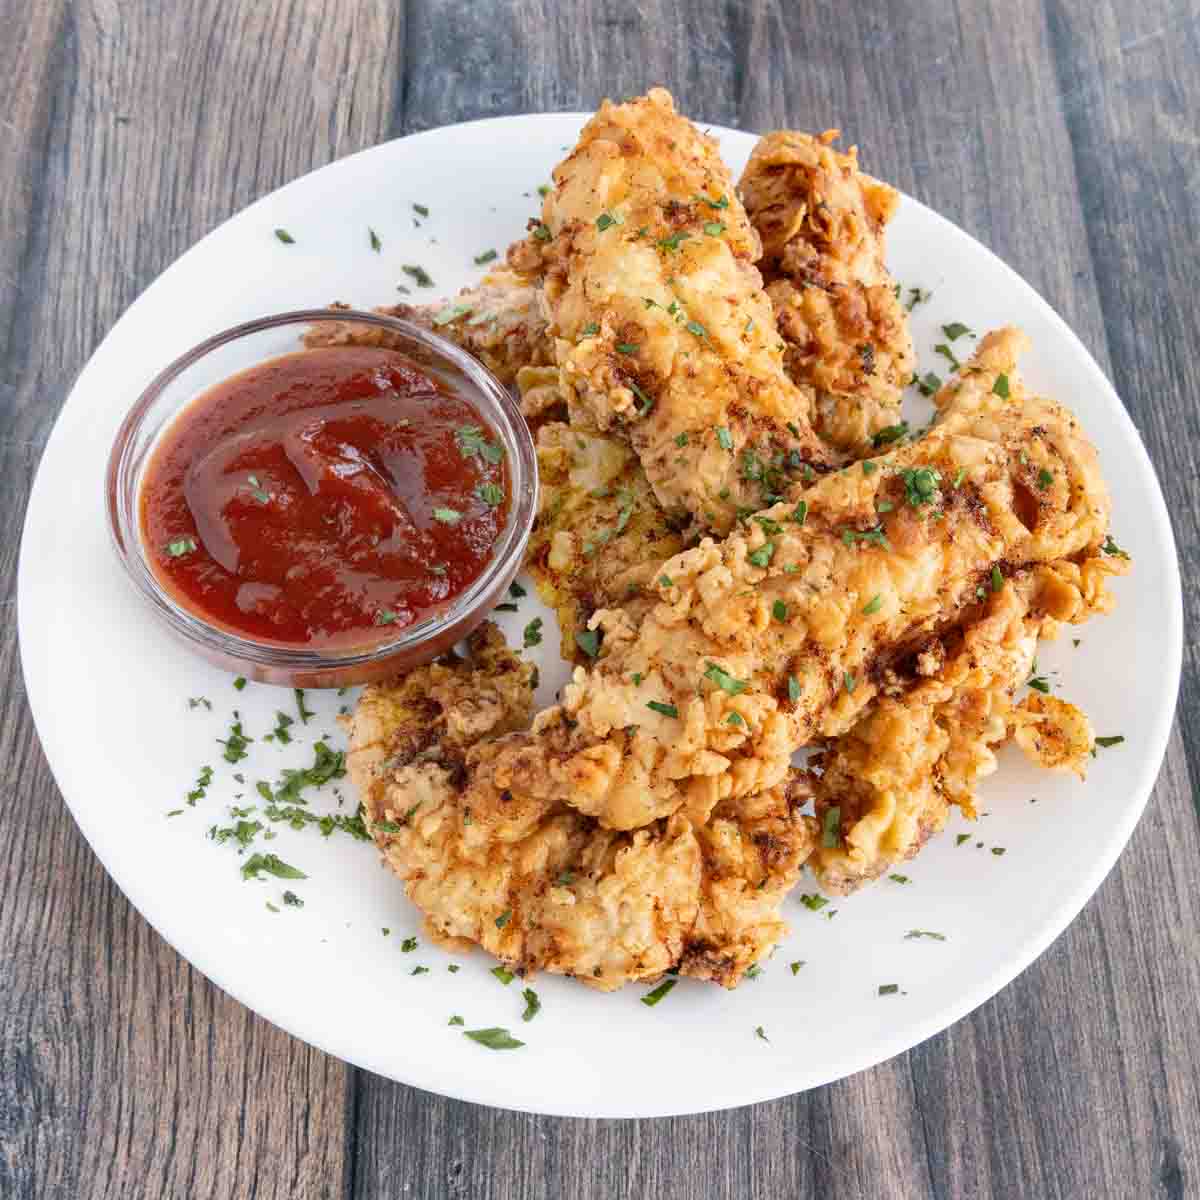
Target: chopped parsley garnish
(608, 220)
(280, 732)
(235, 745)
(681, 440)
(1111, 548)
(385, 616)
(714, 228)
(694, 327)
(273, 865)
(494, 1038)
(291, 900)
(758, 1033)
(456, 1020)
(533, 633)
(724, 438)
(485, 257)
(589, 330)
(418, 275)
(285, 237)
(408, 945)
(959, 476)
(504, 918)
(672, 243)
(888, 989)
(724, 680)
(419, 970)
(831, 826)
(490, 493)
(1116, 740)
(874, 536)
(873, 605)
(503, 974)
(813, 902)
(667, 710)
(948, 354)
(869, 467)
(239, 683)
(1045, 479)
(533, 1005)
(719, 202)
(626, 348)
(421, 209)
(517, 591)
(800, 513)
(762, 556)
(471, 440)
(998, 850)
(779, 610)
(541, 232)
(997, 579)
(1040, 684)
(793, 686)
(451, 313)
(735, 718)
(665, 581)
(244, 832)
(954, 330)
(916, 296)
(200, 702)
(1000, 387)
(920, 485)
(304, 713)
(202, 782)
(929, 383)
(913, 934)
(889, 434)
(376, 244)
(849, 682)
(961, 838)
(589, 642)
(900, 879)
(181, 546)
(448, 516)
(650, 999)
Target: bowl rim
(122, 486)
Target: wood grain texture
(1063, 134)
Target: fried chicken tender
(533, 881)
(888, 784)
(599, 531)
(785, 631)
(498, 321)
(661, 328)
(822, 224)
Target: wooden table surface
(1064, 134)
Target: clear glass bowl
(244, 346)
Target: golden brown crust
(822, 224)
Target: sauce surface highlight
(325, 498)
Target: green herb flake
(929, 384)
(667, 710)
(779, 610)
(421, 210)
(494, 1038)
(800, 513)
(724, 438)
(1107, 742)
(914, 934)
(503, 974)
(888, 989)
(762, 556)
(681, 440)
(831, 827)
(608, 220)
(723, 680)
(889, 434)
(504, 918)
(1045, 479)
(486, 257)
(456, 1020)
(304, 713)
(626, 348)
(490, 493)
(793, 686)
(533, 1005)
(418, 275)
(954, 330)
(735, 718)
(714, 228)
(719, 202)
(181, 546)
(795, 966)
(451, 313)
(291, 900)
(239, 683)
(589, 642)
(589, 330)
(813, 902)
(998, 850)
(273, 865)
(1111, 548)
(948, 354)
(533, 633)
(961, 838)
(447, 516)
(758, 1033)
(673, 242)
(285, 237)
(235, 745)
(695, 328)
(997, 579)
(650, 999)
(1000, 387)
(1040, 684)
(408, 945)
(873, 605)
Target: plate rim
(487, 1092)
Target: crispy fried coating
(886, 786)
(662, 329)
(498, 321)
(785, 631)
(822, 225)
(599, 531)
(533, 881)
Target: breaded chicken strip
(786, 630)
(533, 881)
(887, 785)
(822, 223)
(498, 321)
(599, 531)
(662, 329)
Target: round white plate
(110, 690)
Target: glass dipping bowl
(243, 346)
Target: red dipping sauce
(327, 499)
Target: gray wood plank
(129, 131)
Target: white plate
(109, 693)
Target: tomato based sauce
(327, 498)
